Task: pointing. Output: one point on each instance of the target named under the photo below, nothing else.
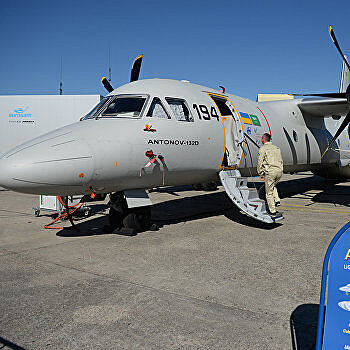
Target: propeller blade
(343, 125)
(334, 39)
(106, 84)
(347, 93)
(136, 67)
(333, 94)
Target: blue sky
(247, 46)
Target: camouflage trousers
(272, 197)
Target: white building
(23, 117)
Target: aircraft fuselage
(182, 134)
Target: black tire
(197, 187)
(139, 219)
(115, 218)
(210, 186)
(144, 217)
(131, 221)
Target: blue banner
(336, 332)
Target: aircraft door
(233, 132)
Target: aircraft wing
(321, 107)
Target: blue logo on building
(20, 113)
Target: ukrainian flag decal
(245, 118)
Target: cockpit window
(179, 108)
(157, 110)
(125, 106)
(97, 109)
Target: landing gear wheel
(115, 219)
(124, 220)
(37, 213)
(197, 187)
(210, 186)
(205, 186)
(138, 219)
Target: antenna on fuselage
(61, 84)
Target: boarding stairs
(245, 198)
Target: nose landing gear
(124, 220)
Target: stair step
(257, 200)
(279, 218)
(251, 194)
(245, 198)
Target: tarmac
(209, 278)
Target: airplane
(160, 132)
(345, 289)
(344, 305)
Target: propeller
(346, 95)
(343, 125)
(334, 39)
(106, 84)
(135, 72)
(333, 94)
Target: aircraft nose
(57, 163)
(5, 173)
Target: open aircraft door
(245, 198)
(233, 132)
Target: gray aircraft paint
(108, 154)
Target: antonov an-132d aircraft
(160, 132)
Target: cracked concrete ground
(209, 278)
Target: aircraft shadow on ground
(92, 227)
(202, 206)
(217, 203)
(173, 189)
(303, 326)
(6, 344)
(332, 191)
(176, 211)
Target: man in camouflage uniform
(270, 168)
